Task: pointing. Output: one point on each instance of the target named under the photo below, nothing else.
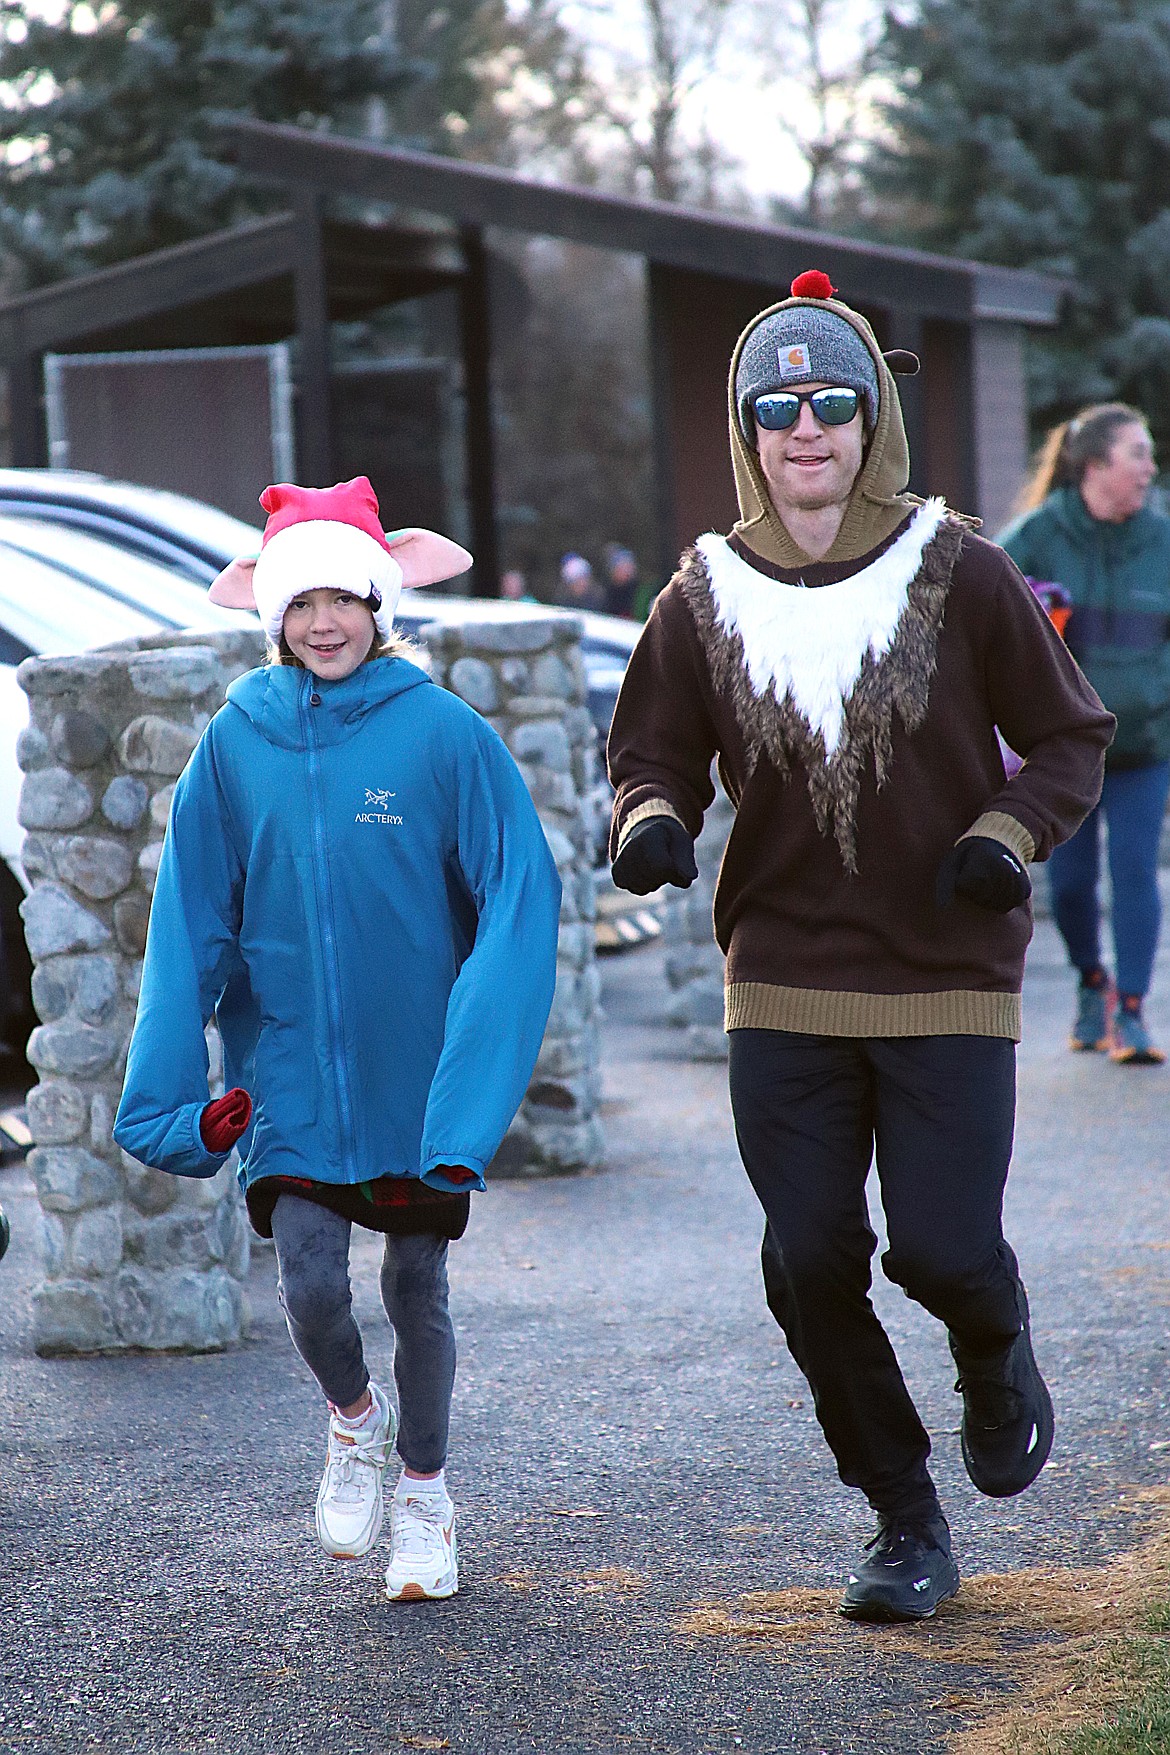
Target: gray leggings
(312, 1250)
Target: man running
(846, 654)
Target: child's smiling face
(331, 632)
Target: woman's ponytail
(1068, 449)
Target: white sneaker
(349, 1503)
(424, 1562)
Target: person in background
(1087, 526)
(514, 587)
(621, 567)
(644, 597)
(578, 588)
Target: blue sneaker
(1130, 1043)
(1090, 1031)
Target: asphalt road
(630, 1440)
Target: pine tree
(107, 134)
(498, 82)
(1039, 137)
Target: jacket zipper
(329, 938)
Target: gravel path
(630, 1440)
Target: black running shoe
(1008, 1423)
(907, 1572)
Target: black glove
(984, 871)
(659, 851)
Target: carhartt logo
(375, 812)
(793, 361)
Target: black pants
(809, 1111)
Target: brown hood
(878, 503)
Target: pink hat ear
(232, 589)
(425, 557)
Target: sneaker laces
(990, 1401)
(893, 1531)
(421, 1526)
(346, 1456)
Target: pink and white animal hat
(332, 539)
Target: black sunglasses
(834, 406)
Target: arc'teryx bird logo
(377, 799)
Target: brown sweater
(853, 713)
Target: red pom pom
(812, 284)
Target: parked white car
(65, 590)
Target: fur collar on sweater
(816, 676)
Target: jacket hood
(276, 697)
(878, 503)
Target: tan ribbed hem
(998, 826)
(757, 1005)
(653, 807)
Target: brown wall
(695, 321)
(946, 393)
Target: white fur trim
(809, 644)
(323, 554)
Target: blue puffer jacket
(355, 882)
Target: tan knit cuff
(758, 1005)
(653, 807)
(997, 825)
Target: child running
(356, 886)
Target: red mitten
(223, 1121)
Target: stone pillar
(694, 962)
(132, 1258)
(523, 672)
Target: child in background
(356, 886)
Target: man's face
(809, 466)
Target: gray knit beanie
(803, 345)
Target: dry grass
(610, 1581)
(607, 1581)
(518, 1581)
(1074, 1643)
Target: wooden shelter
(705, 277)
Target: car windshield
(50, 612)
(87, 570)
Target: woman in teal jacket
(1091, 531)
(355, 885)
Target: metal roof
(680, 237)
(365, 266)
